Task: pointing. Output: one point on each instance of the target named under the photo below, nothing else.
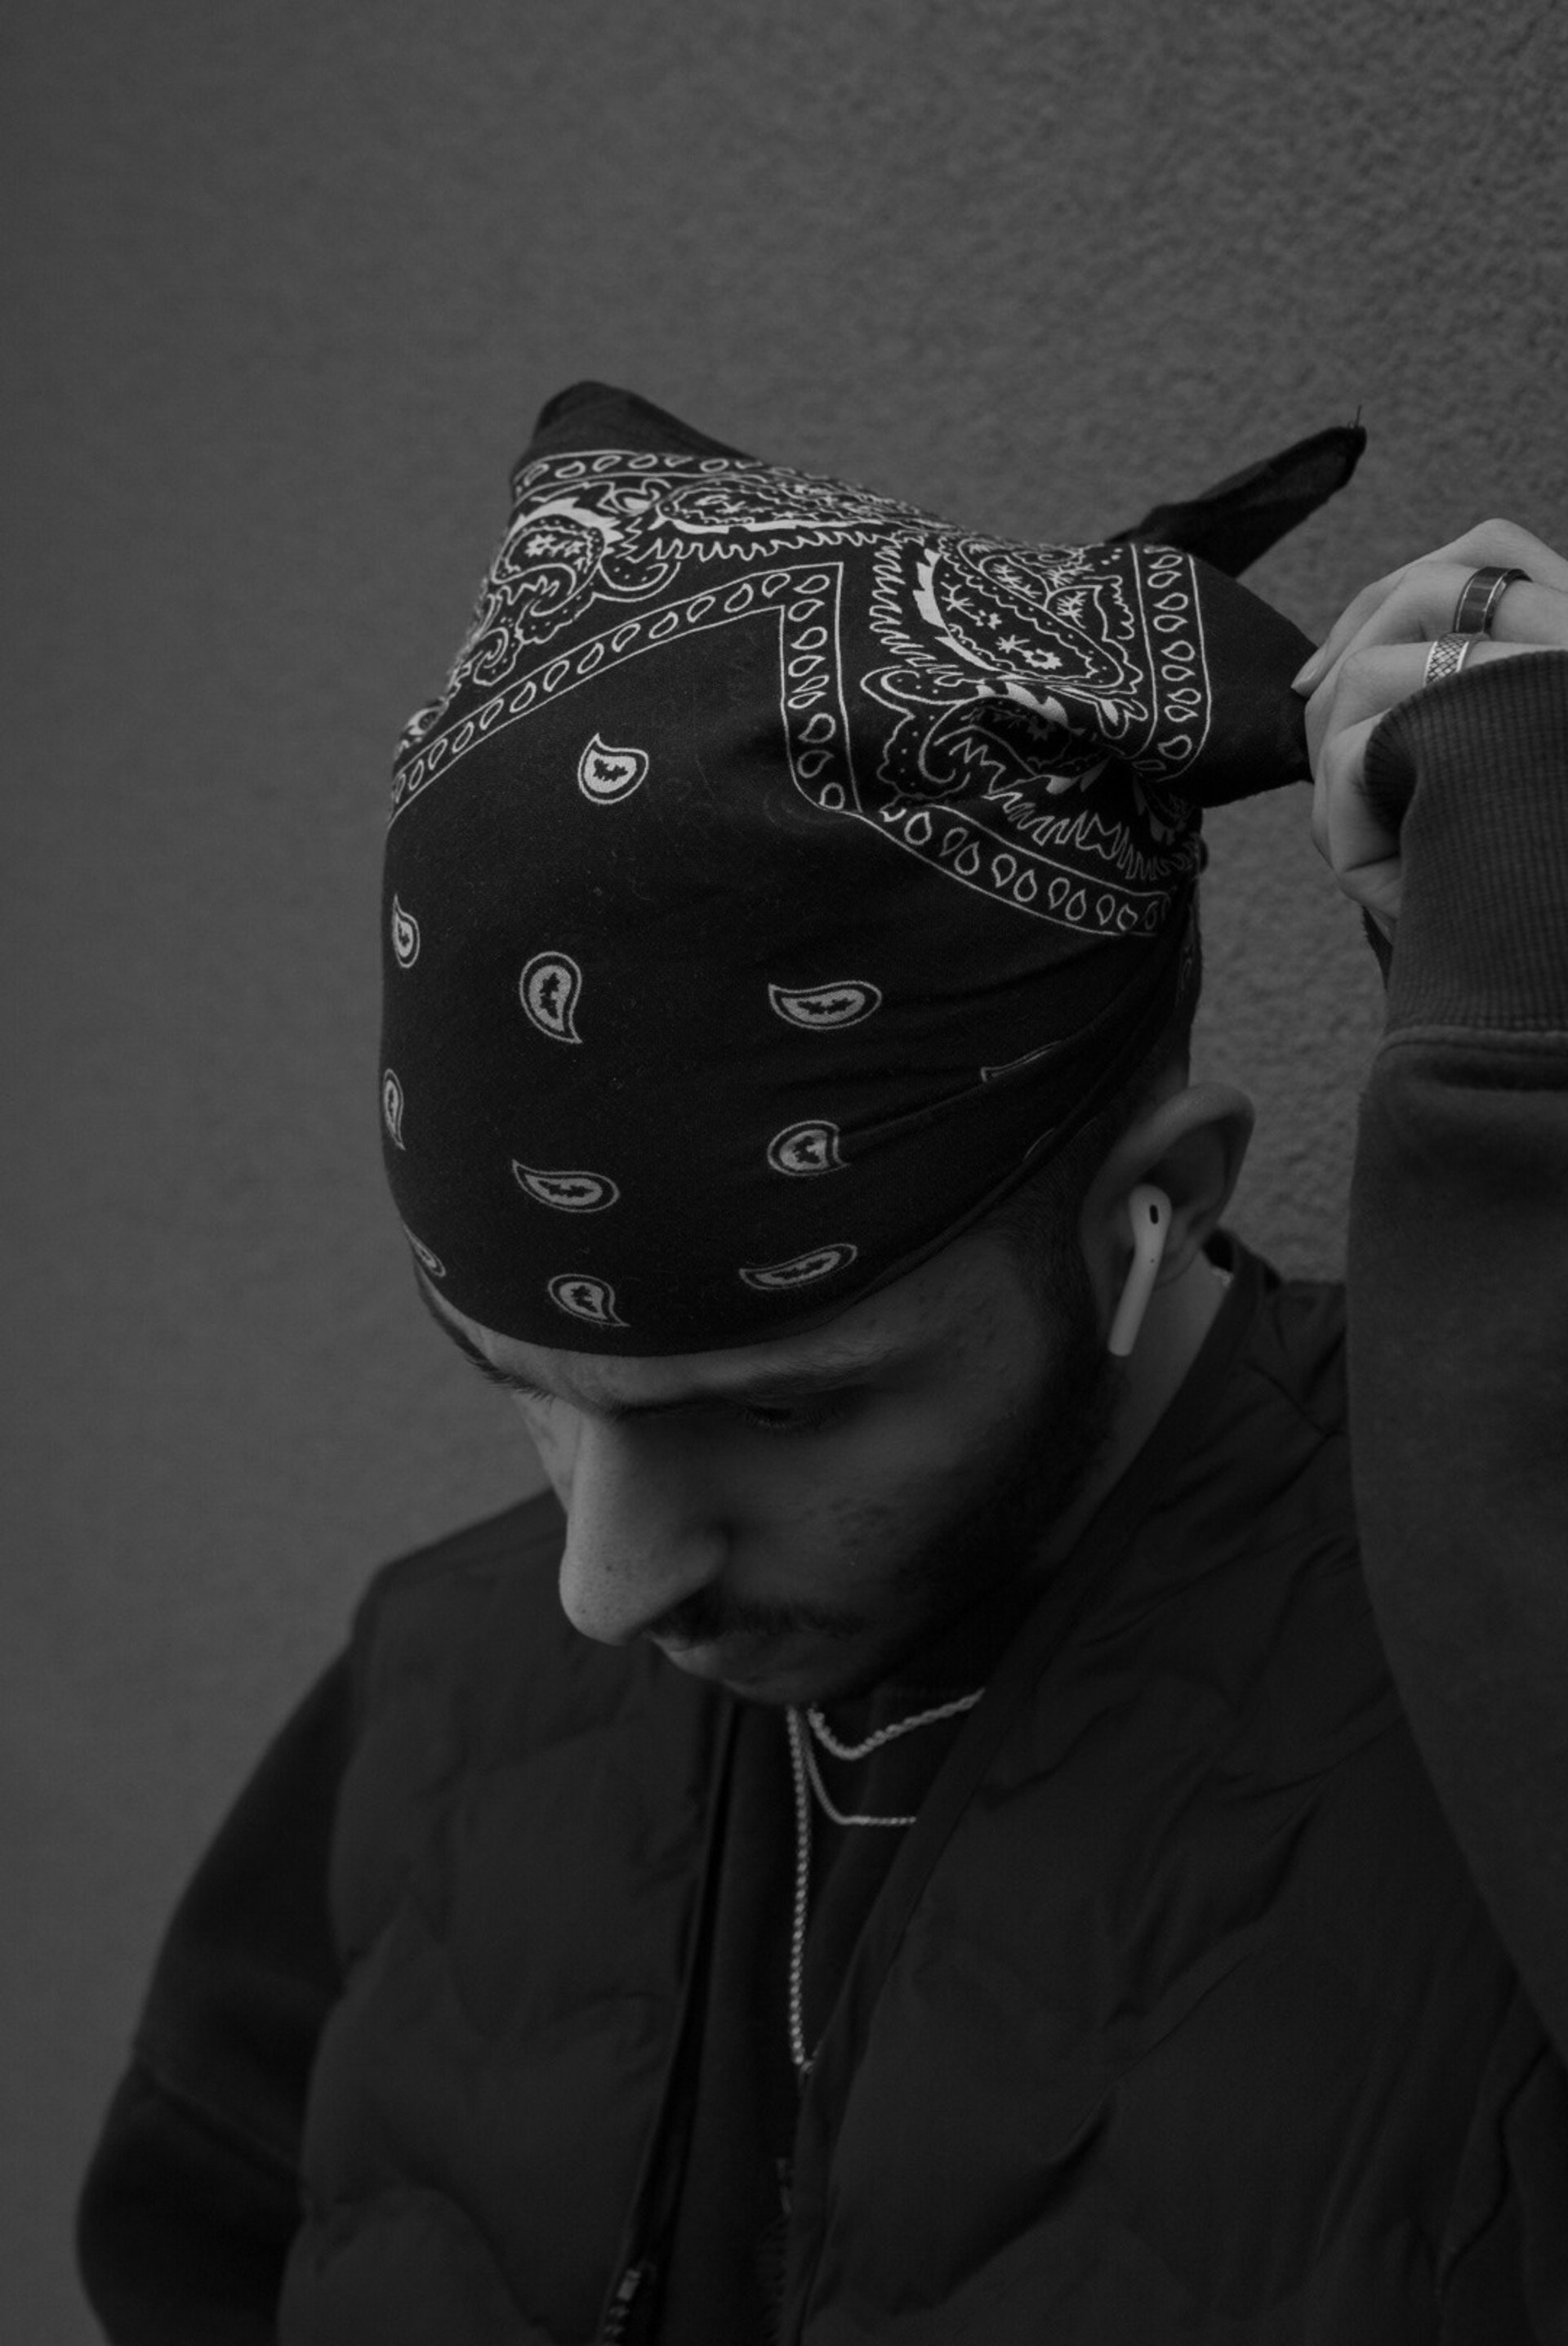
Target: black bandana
(785, 872)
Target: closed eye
(780, 1422)
(787, 1421)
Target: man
(916, 1835)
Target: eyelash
(762, 1421)
(770, 1424)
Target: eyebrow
(826, 1375)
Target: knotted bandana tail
(1234, 524)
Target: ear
(1192, 1145)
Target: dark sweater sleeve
(1457, 1307)
(190, 2203)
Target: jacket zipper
(630, 2310)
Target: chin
(779, 1681)
(810, 1686)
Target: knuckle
(1489, 537)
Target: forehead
(929, 1307)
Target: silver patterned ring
(1447, 656)
(1478, 597)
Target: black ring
(1479, 595)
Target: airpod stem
(1149, 1210)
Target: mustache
(704, 1618)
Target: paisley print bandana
(785, 872)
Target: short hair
(1038, 1221)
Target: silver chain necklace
(808, 1780)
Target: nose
(639, 1537)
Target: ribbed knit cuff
(1478, 766)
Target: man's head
(783, 877)
(792, 1518)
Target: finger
(1364, 857)
(1367, 685)
(1423, 604)
(1422, 607)
(1370, 681)
(1501, 543)
(1511, 548)
(1349, 625)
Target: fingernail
(1305, 675)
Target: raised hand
(1376, 655)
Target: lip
(695, 1653)
(715, 1658)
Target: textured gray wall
(296, 278)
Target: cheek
(553, 1433)
(860, 1506)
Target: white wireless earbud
(1150, 1212)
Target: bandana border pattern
(1000, 847)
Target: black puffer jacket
(1186, 2009)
